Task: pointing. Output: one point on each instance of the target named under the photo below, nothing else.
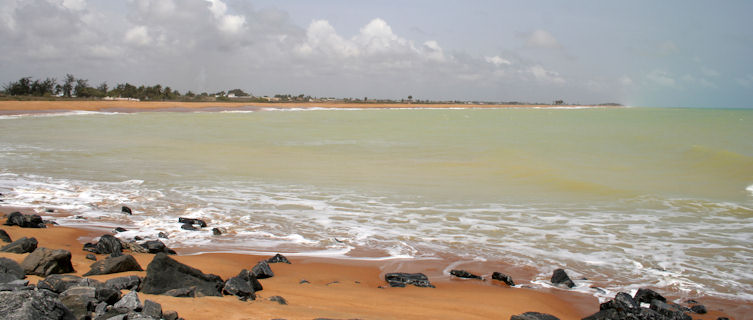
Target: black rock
(464, 274)
(44, 262)
(152, 309)
(117, 264)
(107, 294)
(670, 311)
(162, 235)
(156, 246)
(698, 308)
(113, 314)
(278, 258)
(24, 220)
(262, 270)
(216, 231)
(23, 245)
(164, 274)
(170, 315)
(120, 229)
(188, 226)
(91, 257)
(560, 277)
(126, 210)
(533, 316)
(15, 285)
(10, 271)
(188, 292)
(58, 283)
(239, 287)
(251, 278)
(124, 283)
(4, 237)
(647, 295)
(30, 304)
(129, 301)
(504, 278)
(106, 244)
(137, 238)
(622, 302)
(278, 299)
(79, 300)
(192, 221)
(403, 279)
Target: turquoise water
(661, 195)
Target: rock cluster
(24, 220)
(623, 306)
(399, 279)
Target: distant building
(559, 102)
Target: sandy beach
(14, 107)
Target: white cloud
(138, 36)
(542, 39)
(545, 75)
(661, 77)
(321, 38)
(227, 23)
(74, 4)
(498, 61)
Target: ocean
(628, 197)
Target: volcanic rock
(10, 271)
(124, 283)
(126, 210)
(121, 263)
(560, 278)
(156, 246)
(79, 300)
(129, 301)
(24, 220)
(44, 262)
(192, 221)
(58, 283)
(164, 274)
(262, 270)
(23, 245)
(504, 278)
(278, 258)
(152, 309)
(644, 295)
(403, 279)
(464, 274)
(278, 299)
(4, 237)
(30, 304)
(533, 316)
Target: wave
(62, 113)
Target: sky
(640, 53)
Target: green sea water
(611, 193)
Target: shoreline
(340, 288)
(8, 107)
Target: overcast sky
(641, 53)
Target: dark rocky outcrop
(4, 237)
(156, 246)
(133, 246)
(189, 227)
(402, 279)
(164, 274)
(44, 262)
(644, 295)
(126, 210)
(216, 231)
(10, 271)
(15, 285)
(58, 283)
(25, 220)
(129, 301)
(262, 270)
(623, 306)
(119, 230)
(504, 278)
(464, 274)
(31, 304)
(560, 278)
(79, 300)
(23, 245)
(108, 244)
(278, 299)
(191, 221)
(278, 258)
(152, 309)
(698, 308)
(91, 256)
(533, 316)
(124, 283)
(117, 264)
(239, 287)
(162, 235)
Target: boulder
(124, 283)
(129, 301)
(671, 311)
(10, 271)
(251, 278)
(644, 295)
(58, 283)
(239, 287)
(44, 262)
(91, 256)
(15, 285)
(156, 246)
(278, 258)
(162, 235)
(126, 210)
(464, 274)
(403, 279)
(262, 270)
(25, 220)
(170, 315)
(622, 302)
(164, 274)
(189, 227)
(533, 316)
(134, 247)
(504, 278)
(33, 304)
(152, 309)
(108, 244)
(107, 295)
(119, 230)
(4, 237)
(79, 300)
(560, 278)
(23, 245)
(110, 265)
(216, 231)
(192, 221)
(698, 308)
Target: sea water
(630, 196)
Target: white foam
(65, 113)
(750, 189)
